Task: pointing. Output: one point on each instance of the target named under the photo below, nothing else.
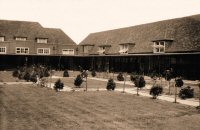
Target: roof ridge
(189, 16)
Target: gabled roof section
(33, 30)
(57, 36)
(185, 33)
(11, 29)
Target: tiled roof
(32, 30)
(184, 32)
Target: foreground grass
(30, 108)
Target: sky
(79, 18)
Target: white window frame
(101, 49)
(44, 51)
(123, 49)
(2, 38)
(42, 40)
(22, 50)
(68, 51)
(1, 50)
(159, 47)
(20, 38)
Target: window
(41, 40)
(22, 50)
(159, 47)
(123, 49)
(101, 50)
(2, 39)
(86, 49)
(2, 50)
(20, 38)
(44, 51)
(68, 51)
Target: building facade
(147, 48)
(22, 41)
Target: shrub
(66, 74)
(27, 76)
(21, 75)
(33, 78)
(111, 85)
(139, 82)
(58, 85)
(15, 73)
(78, 81)
(93, 73)
(46, 73)
(120, 77)
(156, 90)
(186, 92)
(133, 76)
(179, 82)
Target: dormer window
(103, 48)
(2, 39)
(87, 48)
(41, 40)
(159, 46)
(125, 47)
(20, 38)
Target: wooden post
(124, 82)
(199, 94)
(86, 83)
(175, 93)
(169, 87)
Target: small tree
(168, 76)
(93, 73)
(111, 84)
(58, 85)
(65, 73)
(178, 83)
(186, 92)
(139, 83)
(78, 81)
(120, 77)
(156, 90)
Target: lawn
(28, 107)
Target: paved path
(170, 98)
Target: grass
(27, 107)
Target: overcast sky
(78, 18)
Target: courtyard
(28, 106)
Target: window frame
(42, 40)
(21, 38)
(44, 50)
(1, 48)
(68, 50)
(159, 46)
(123, 48)
(22, 50)
(2, 38)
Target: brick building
(22, 41)
(145, 48)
